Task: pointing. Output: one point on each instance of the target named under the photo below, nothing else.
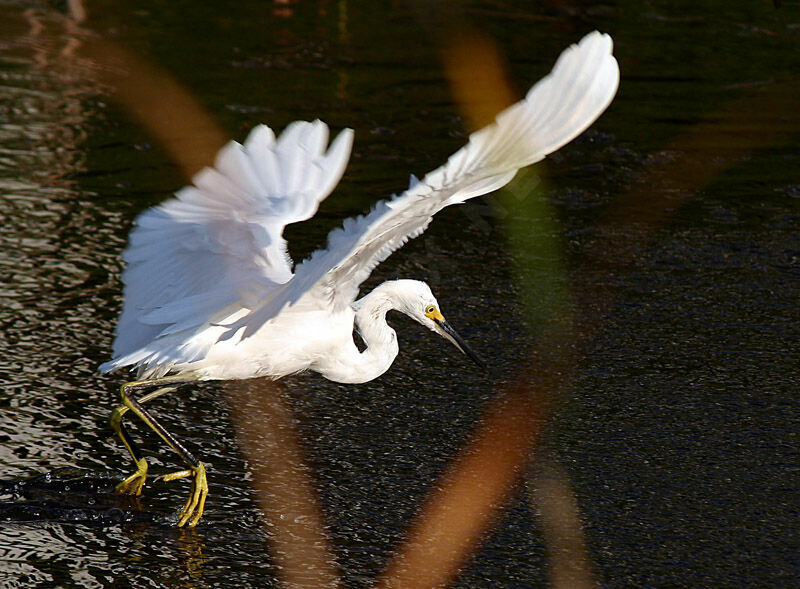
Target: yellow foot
(193, 509)
(134, 483)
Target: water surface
(667, 236)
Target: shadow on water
(67, 495)
(636, 300)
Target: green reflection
(533, 238)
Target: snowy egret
(209, 288)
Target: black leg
(129, 392)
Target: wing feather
(555, 110)
(217, 248)
(218, 245)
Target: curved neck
(371, 321)
(351, 366)
(380, 339)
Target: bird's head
(415, 299)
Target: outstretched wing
(555, 111)
(218, 244)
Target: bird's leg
(193, 509)
(134, 483)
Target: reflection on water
(48, 261)
(679, 426)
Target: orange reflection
(266, 433)
(472, 492)
(552, 497)
(264, 425)
(161, 104)
(478, 77)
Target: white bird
(209, 288)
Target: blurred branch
(77, 10)
(478, 77)
(266, 432)
(475, 487)
(264, 425)
(168, 111)
(472, 492)
(567, 556)
(468, 497)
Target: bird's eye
(430, 309)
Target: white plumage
(209, 288)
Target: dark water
(668, 233)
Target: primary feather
(556, 110)
(218, 245)
(211, 265)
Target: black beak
(450, 334)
